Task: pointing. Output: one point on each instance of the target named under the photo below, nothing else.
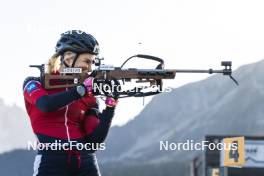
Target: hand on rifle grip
(115, 88)
(112, 98)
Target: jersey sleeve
(33, 90)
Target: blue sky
(186, 33)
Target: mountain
(15, 129)
(214, 106)
(17, 163)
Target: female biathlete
(67, 117)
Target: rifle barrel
(210, 71)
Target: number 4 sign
(234, 153)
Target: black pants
(72, 163)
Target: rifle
(71, 77)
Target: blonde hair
(54, 64)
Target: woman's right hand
(89, 84)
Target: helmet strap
(63, 61)
(75, 59)
(73, 63)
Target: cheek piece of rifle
(110, 76)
